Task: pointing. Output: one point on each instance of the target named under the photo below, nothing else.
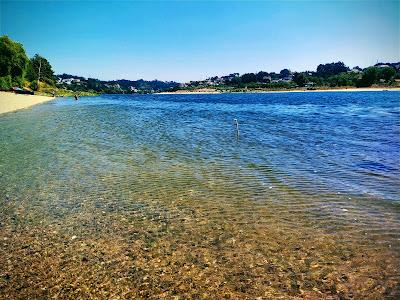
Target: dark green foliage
(94, 84)
(82, 84)
(262, 76)
(173, 89)
(65, 76)
(326, 70)
(318, 81)
(284, 73)
(274, 76)
(373, 75)
(300, 79)
(5, 83)
(235, 81)
(18, 81)
(34, 85)
(248, 77)
(368, 77)
(13, 61)
(343, 79)
(386, 73)
(46, 72)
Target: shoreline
(200, 92)
(10, 102)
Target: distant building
(310, 85)
(285, 79)
(68, 80)
(356, 70)
(267, 79)
(133, 89)
(288, 78)
(395, 65)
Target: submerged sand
(103, 203)
(11, 102)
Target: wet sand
(11, 102)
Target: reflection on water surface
(153, 196)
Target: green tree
(40, 69)
(386, 73)
(13, 61)
(315, 79)
(5, 83)
(368, 77)
(93, 84)
(235, 81)
(262, 76)
(300, 79)
(284, 73)
(326, 70)
(343, 79)
(34, 85)
(249, 77)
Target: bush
(34, 85)
(343, 79)
(368, 78)
(18, 81)
(386, 73)
(5, 83)
(300, 79)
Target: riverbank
(12, 102)
(216, 91)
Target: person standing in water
(76, 97)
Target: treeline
(36, 73)
(335, 74)
(17, 70)
(339, 75)
(77, 83)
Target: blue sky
(190, 40)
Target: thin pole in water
(237, 128)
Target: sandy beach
(11, 102)
(213, 91)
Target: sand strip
(11, 102)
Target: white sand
(11, 102)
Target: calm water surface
(152, 196)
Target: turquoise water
(316, 172)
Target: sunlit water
(131, 196)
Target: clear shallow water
(158, 186)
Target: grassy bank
(48, 90)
